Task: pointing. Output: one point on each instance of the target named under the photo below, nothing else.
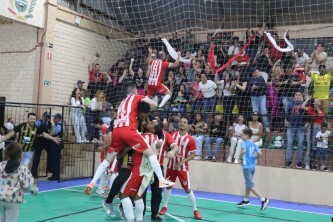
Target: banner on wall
(27, 11)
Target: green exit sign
(47, 82)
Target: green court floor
(71, 205)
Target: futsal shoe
(243, 203)
(197, 215)
(108, 209)
(121, 212)
(156, 219)
(163, 211)
(264, 204)
(89, 188)
(166, 184)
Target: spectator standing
(257, 129)
(175, 42)
(208, 89)
(236, 139)
(27, 133)
(264, 62)
(295, 122)
(322, 147)
(140, 80)
(317, 57)
(216, 135)
(196, 101)
(301, 57)
(98, 84)
(114, 88)
(258, 91)
(96, 106)
(234, 49)
(156, 42)
(93, 69)
(77, 117)
(243, 93)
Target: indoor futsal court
(222, 110)
(64, 202)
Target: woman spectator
(77, 118)
(196, 101)
(180, 78)
(243, 95)
(208, 89)
(316, 117)
(236, 139)
(273, 98)
(258, 91)
(96, 106)
(140, 80)
(199, 129)
(257, 128)
(227, 84)
(126, 77)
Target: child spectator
(322, 147)
(236, 139)
(14, 180)
(249, 153)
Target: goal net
(241, 62)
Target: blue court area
(65, 201)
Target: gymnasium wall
(17, 68)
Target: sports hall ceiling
(171, 15)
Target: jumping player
(157, 70)
(178, 166)
(125, 133)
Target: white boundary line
(177, 195)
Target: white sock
(262, 199)
(103, 181)
(164, 100)
(112, 178)
(100, 170)
(156, 167)
(139, 208)
(191, 197)
(167, 194)
(128, 208)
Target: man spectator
(317, 57)
(295, 122)
(322, 85)
(79, 85)
(41, 143)
(216, 135)
(114, 88)
(234, 49)
(264, 62)
(275, 53)
(27, 133)
(93, 68)
(175, 42)
(56, 132)
(98, 83)
(207, 88)
(301, 57)
(156, 42)
(289, 84)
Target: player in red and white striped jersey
(157, 70)
(178, 166)
(140, 177)
(125, 133)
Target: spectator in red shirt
(93, 69)
(276, 54)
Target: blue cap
(47, 114)
(58, 115)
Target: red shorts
(132, 185)
(127, 136)
(184, 177)
(160, 89)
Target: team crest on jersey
(22, 9)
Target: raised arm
(91, 64)
(131, 67)
(175, 64)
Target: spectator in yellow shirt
(322, 85)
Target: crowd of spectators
(264, 87)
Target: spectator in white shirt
(318, 57)
(301, 56)
(207, 88)
(77, 118)
(322, 147)
(234, 49)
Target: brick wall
(17, 70)
(74, 48)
